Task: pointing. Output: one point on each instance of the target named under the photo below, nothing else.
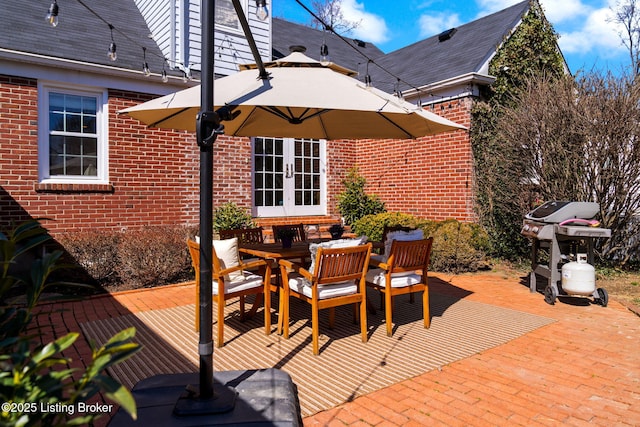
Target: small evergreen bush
(457, 246)
(354, 202)
(372, 226)
(230, 216)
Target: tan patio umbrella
(300, 98)
(292, 97)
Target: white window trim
(245, 8)
(102, 131)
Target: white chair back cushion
(228, 255)
(340, 243)
(403, 236)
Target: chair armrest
(239, 267)
(295, 267)
(253, 264)
(378, 264)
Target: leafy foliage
(457, 246)
(230, 216)
(530, 51)
(32, 373)
(354, 202)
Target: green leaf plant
(37, 385)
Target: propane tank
(579, 277)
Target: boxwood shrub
(457, 246)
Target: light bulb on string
(262, 12)
(111, 53)
(165, 78)
(52, 14)
(145, 66)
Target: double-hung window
(73, 141)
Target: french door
(289, 177)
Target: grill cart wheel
(603, 297)
(550, 295)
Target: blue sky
(587, 37)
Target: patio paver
(582, 369)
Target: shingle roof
(286, 34)
(430, 60)
(81, 35)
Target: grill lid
(558, 211)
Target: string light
(262, 13)
(165, 78)
(111, 53)
(52, 14)
(145, 67)
(324, 49)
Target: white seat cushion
(302, 286)
(340, 243)
(245, 280)
(399, 280)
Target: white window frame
(238, 29)
(102, 132)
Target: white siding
(171, 20)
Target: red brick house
(66, 154)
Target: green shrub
(372, 226)
(32, 373)
(230, 216)
(457, 246)
(354, 202)
(153, 256)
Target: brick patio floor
(583, 369)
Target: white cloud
(431, 24)
(597, 33)
(372, 27)
(565, 10)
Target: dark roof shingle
(430, 60)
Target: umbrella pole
(210, 397)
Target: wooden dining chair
(338, 278)
(231, 279)
(244, 235)
(403, 272)
(299, 233)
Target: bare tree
(584, 145)
(330, 12)
(627, 14)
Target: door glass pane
(307, 172)
(268, 171)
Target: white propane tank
(579, 277)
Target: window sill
(73, 188)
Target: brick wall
(153, 174)
(429, 177)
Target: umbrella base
(261, 397)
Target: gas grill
(560, 230)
